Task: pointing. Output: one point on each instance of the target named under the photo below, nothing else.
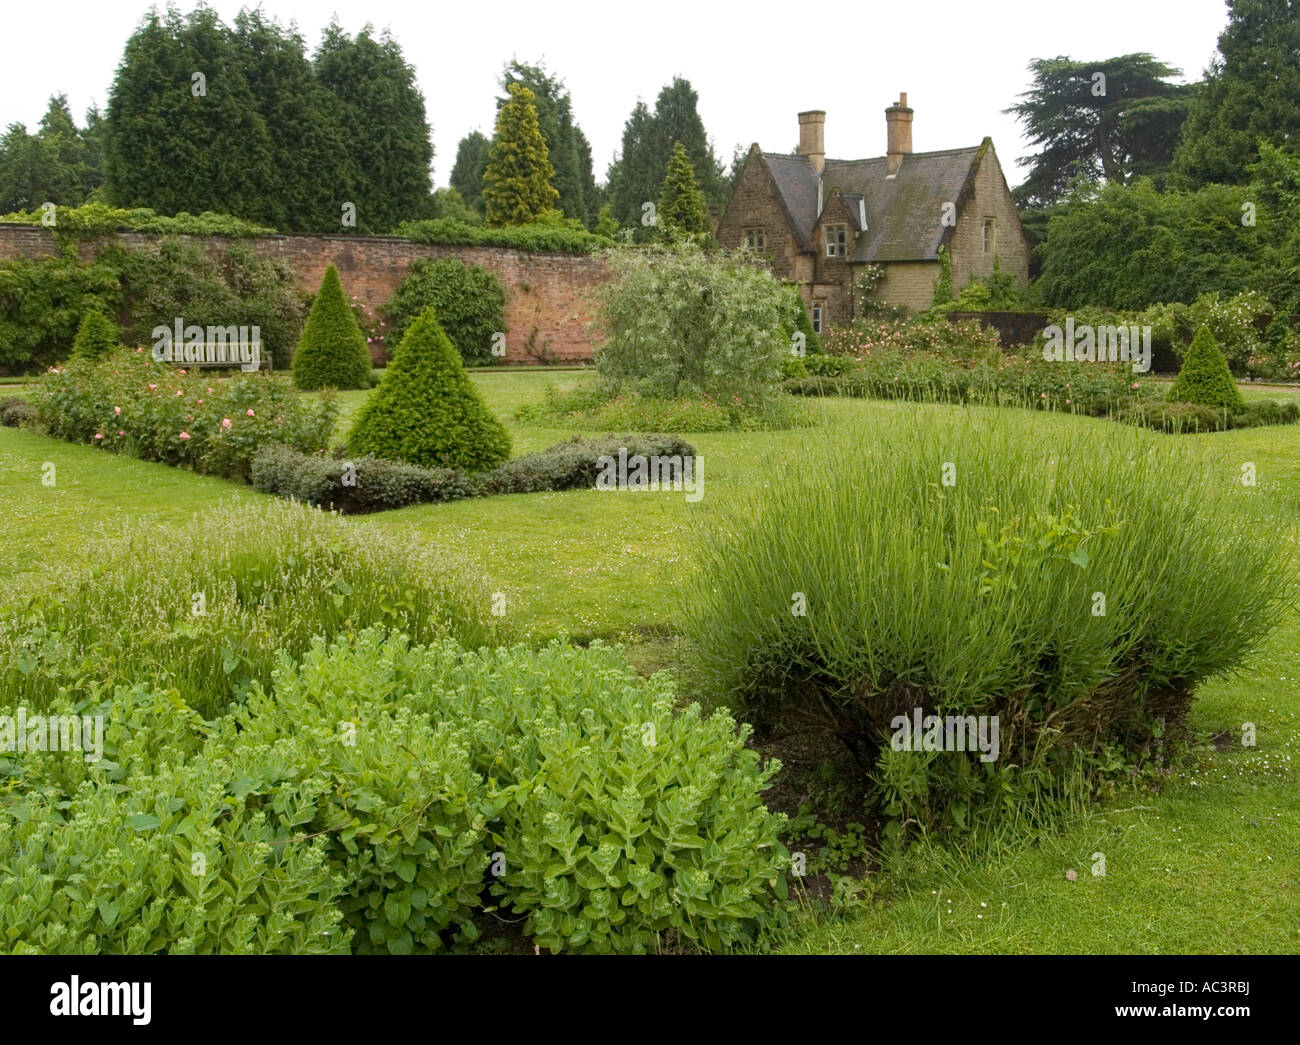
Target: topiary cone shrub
(426, 411)
(1204, 377)
(332, 351)
(97, 336)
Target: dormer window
(837, 237)
(754, 238)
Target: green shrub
(575, 463)
(536, 237)
(394, 792)
(92, 220)
(163, 857)
(332, 351)
(621, 824)
(828, 366)
(176, 278)
(128, 403)
(426, 411)
(1204, 377)
(16, 413)
(367, 484)
(204, 608)
(97, 336)
(864, 580)
(468, 299)
(43, 300)
(680, 323)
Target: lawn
(1210, 864)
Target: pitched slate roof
(903, 212)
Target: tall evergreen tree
(564, 139)
(1111, 120)
(682, 210)
(384, 121)
(313, 169)
(648, 140)
(471, 162)
(1251, 91)
(183, 131)
(517, 185)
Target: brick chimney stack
(812, 139)
(898, 122)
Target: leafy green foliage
(177, 278)
(127, 403)
(467, 172)
(96, 336)
(94, 219)
(677, 322)
(367, 484)
(42, 303)
(271, 577)
(1115, 129)
(151, 851)
(681, 210)
(977, 597)
(517, 186)
(575, 463)
(537, 236)
(426, 411)
(332, 351)
(58, 164)
(1204, 377)
(566, 146)
(1251, 93)
(468, 299)
(943, 284)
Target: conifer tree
(517, 186)
(332, 351)
(681, 210)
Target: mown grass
(1211, 864)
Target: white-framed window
(755, 238)
(990, 236)
(837, 237)
(817, 319)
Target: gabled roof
(904, 213)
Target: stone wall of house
(991, 199)
(908, 283)
(755, 203)
(547, 305)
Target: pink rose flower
(99, 435)
(185, 435)
(117, 409)
(250, 413)
(225, 422)
(153, 388)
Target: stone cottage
(822, 222)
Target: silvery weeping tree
(678, 321)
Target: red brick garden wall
(547, 310)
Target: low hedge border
(353, 486)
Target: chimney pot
(898, 125)
(812, 141)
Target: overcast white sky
(754, 64)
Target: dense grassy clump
(205, 608)
(1204, 378)
(127, 403)
(96, 336)
(1193, 417)
(332, 351)
(426, 411)
(379, 796)
(1076, 587)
